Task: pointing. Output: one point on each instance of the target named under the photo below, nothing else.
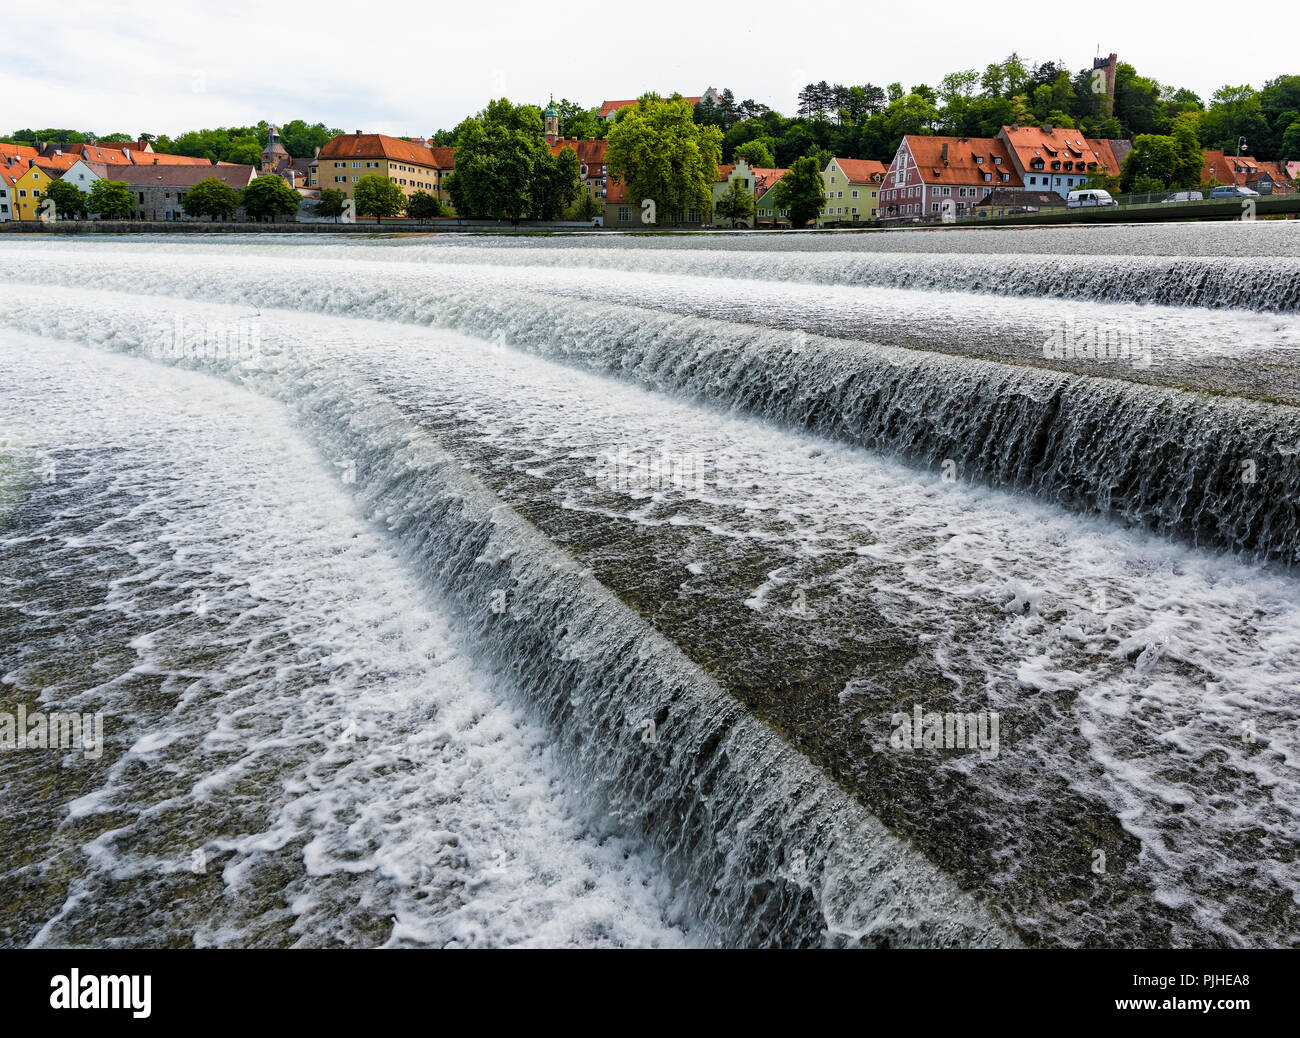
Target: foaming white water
(1164, 655)
(284, 706)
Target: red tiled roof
(765, 179)
(18, 151)
(590, 153)
(444, 158)
(957, 164)
(108, 154)
(1225, 168)
(608, 108)
(861, 171)
(1058, 143)
(379, 146)
(55, 165)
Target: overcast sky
(411, 68)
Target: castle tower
(1103, 81)
(552, 118)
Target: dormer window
(997, 160)
(979, 160)
(1036, 164)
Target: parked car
(1089, 197)
(1233, 191)
(1185, 196)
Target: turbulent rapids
(910, 589)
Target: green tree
(758, 153)
(660, 154)
(1163, 161)
(423, 206)
(586, 208)
(212, 198)
(504, 169)
(555, 184)
(736, 204)
(330, 203)
(801, 192)
(301, 140)
(270, 196)
(111, 199)
(375, 195)
(69, 202)
(1291, 141)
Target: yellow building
(852, 190)
(412, 167)
(29, 189)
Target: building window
(624, 214)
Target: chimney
(358, 133)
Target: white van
(1091, 196)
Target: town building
(1266, 177)
(158, 190)
(1055, 158)
(941, 178)
(8, 181)
(1003, 202)
(766, 212)
(31, 185)
(412, 167)
(593, 177)
(14, 160)
(852, 189)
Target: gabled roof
(952, 160)
(182, 176)
(1227, 169)
(108, 154)
(1057, 144)
(378, 146)
(18, 151)
(765, 179)
(861, 171)
(1004, 196)
(54, 165)
(590, 153)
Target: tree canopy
(268, 197)
(110, 199)
(69, 202)
(375, 195)
(663, 155)
(505, 170)
(212, 198)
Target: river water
(570, 590)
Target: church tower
(552, 118)
(274, 154)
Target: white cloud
(406, 67)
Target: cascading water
(1172, 461)
(654, 580)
